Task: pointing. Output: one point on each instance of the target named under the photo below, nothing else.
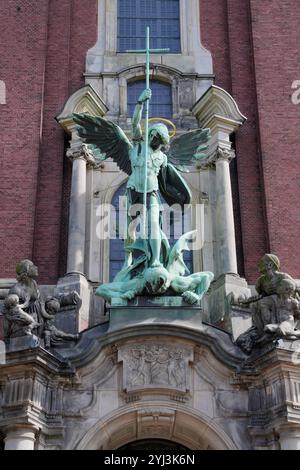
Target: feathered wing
(188, 148)
(176, 266)
(105, 139)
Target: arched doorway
(157, 423)
(154, 444)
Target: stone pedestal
(23, 342)
(20, 438)
(240, 320)
(219, 298)
(147, 310)
(78, 318)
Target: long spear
(148, 51)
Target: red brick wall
(226, 32)
(43, 47)
(49, 196)
(255, 48)
(72, 30)
(23, 43)
(250, 183)
(276, 42)
(42, 60)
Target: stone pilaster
(218, 111)
(274, 399)
(75, 278)
(20, 438)
(290, 437)
(31, 384)
(225, 234)
(77, 213)
(84, 100)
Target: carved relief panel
(155, 365)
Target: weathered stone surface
(219, 298)
(151, 310)
(275, 310)
(23, 342)
(26, 313)
(81, 313)
(155, 365)
(192, 386)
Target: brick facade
(43, 45)
(276, 32)
(254, 46)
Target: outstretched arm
(137, 115)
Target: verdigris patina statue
(155, 257)
(157, 280)
(107, 140)
(275, 309)
(152, 163)
(26, 314)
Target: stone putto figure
(26, 314)
(20, 323)
(274, 310)
(54, 337)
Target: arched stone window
(163, 17)
(161, 102)
(179, 223)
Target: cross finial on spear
(147, 51)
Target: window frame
(177, 51)
(152, 83)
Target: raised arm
(137, 115)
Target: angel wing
(176, 266)
(105, 139)
(188, 147)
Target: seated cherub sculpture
(274, 311)
(18, 322)
(287, 310)
(52, 335)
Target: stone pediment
(84, 100)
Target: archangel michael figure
(152, 165)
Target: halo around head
(166, 121)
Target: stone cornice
(95, 339)
(38, 359)
(155, 67)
